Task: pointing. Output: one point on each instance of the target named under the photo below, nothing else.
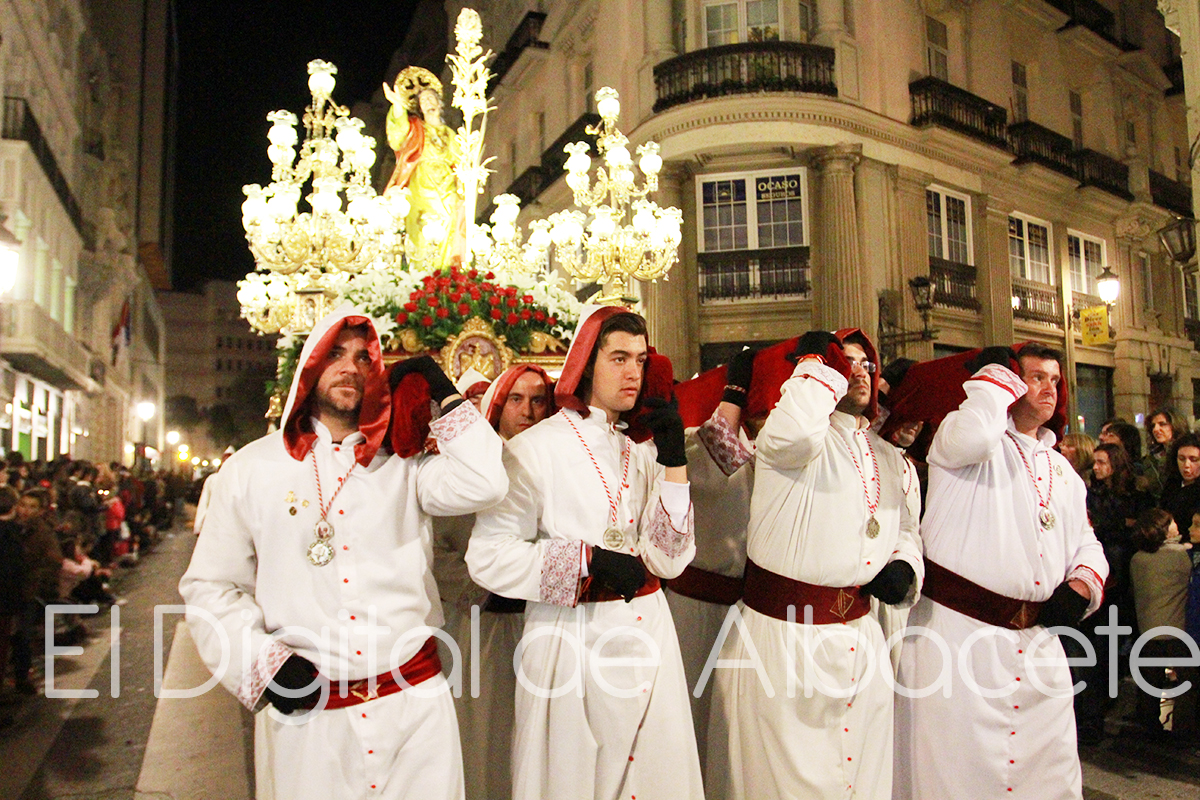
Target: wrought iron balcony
(1038, 302)
(743, 274)
(1172, 195)
(20, 124)
(1103, 172)
(526, 35)
(1033, 143)
(955, 284)
(936, 102)
(745, 67)
(1093, 16)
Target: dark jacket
(1181, 501)
(12, 569)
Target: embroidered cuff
(665, 536)
(722, 443)
(448, 427)
(1094, 583)
(1003, 377)
(254, 682)
(561, 566)
(827, 376)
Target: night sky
(237, 62)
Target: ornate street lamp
(1179, 240)
(891, 335)
(1108, 285)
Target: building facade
(82, 184)
(826, 153)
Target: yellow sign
(1094, 324)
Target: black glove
(1004, 356)
(738, 375)
(622, 573)
(825, 345)
(295, 674)
(663, 420)
(892, 583)
(1065, 607)
(440, 386)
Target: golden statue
(426, 154)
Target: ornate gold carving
(545, 343)
(476, 347)
(410, 342)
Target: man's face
(617, 375)
(858, 393)
(1041, 375)
(525, 405)
(339, 390)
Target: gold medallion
(320, 553)
(872, 528)
(323, 529)
(614, 539)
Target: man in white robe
(830, 528)
(1009, 551)
(592, 518)
(310, 584)
(513, 403)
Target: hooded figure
(496, 396)
(831, 527)
(314, 569)
(593, 518)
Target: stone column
(671, 306)
(841, 293)
(912, 240)
(658, 46)
(993, 280)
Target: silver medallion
(1046, 517)
(323, 529)
(872, 528)
(613, 539)
(320, 553)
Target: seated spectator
(1077, 448)
(1160, 571)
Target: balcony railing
(36, 343)
(20, 124)
(1032, 142)
(1038, 302)
(745, 67)
(743, 274)
(525, 35)
(1103, 172)
(1172, 195)
(954, 284)
(935, 102)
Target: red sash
(771, 594)
(708, 587)
(421, 667)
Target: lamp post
(1179, 240)
(891, 335)
(1108, 285)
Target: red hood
(872, 356)
(497, 393)
(298, 434)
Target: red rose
(491, 276)
(539, 315)
(493, 300)
(512, 319)
(455, 297)
(428, 279)
(432, 301)
(442, 312)
(443, 282)
(402, 318)
(410, 307)
(472, 273)
(475, 294)
(485, 286)
(552, 321)
(510, 291)
(525, 314)
(512, 302)
(497, 313)
(426, 320)
(527, 298)
(464, 309)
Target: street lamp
(891, 335)
(1108, 285)
(172, 437)
(1179, 240)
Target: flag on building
(122, 333)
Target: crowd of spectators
(65, 528)
(1145, 510)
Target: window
(1146, 266)
(937, 49)
(808, 19)
(1020, 82)
(1130, 132)
(741, 21)
(1191, 308)
(1076, 101)
(774, 218)
(1029, 249)
(1085, 257)
(949, 225)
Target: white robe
(376, 603)
(808, 519)
(982, 523)
(721, 478)
(588, 742)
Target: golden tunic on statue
(425, 159)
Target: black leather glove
(1065, 607)
(892, 583)
(663, 420)
(295, 674)
(622, 573)
(440, 386)
(738, 375)
(1004, 356)
(825, 345)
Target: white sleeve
(909, 548)
(667, 529)
(467, 475)
(971, 434)
(794, 433)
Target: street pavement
(133, 746)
